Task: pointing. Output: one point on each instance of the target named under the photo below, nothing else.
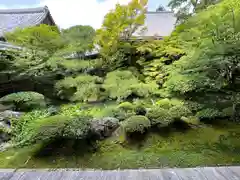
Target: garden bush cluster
(24, 101)
(190, 77)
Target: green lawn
(206, 146)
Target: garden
(137, 104)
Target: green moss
(207, 146)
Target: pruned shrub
(164, 103)
(168, 103)
(77, 128)
(24, 101)
(20, 126)
(208, 114)
(52, 128)
(136, 124)
(71, 110)
(143, 89)
(81, 88)
(194, 106)
(179, 111)
(159, 116)
(192, 120)
(122, 84)
(48, 128)
(136, 108)
(126, 106)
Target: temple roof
(13, 18)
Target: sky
(67, 13)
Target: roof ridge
(24, 10)
(159, 12)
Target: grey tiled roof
(12, 18)
(158, 24)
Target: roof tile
(13, 18)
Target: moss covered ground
(206, 146)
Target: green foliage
(192, 120)
(155, 71)
(71, 110)
(24, 101)
(190, 149)
(179, 111)
(118, 27)
(212, 63)
(168, 103)
(159, 116)
(186, 9)
(20, 127)
(37, 38)
(75, 66)
(136, 124)
(38, 44)
(126, 106)
(121, 84)
(209, 114)
(162, 54)
(47, 128)
(81, 88)
(78, 128)
(79, 39)
(194, 106)
(164, 103)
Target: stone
(7, 115)
(5, 124)
(5, 146)
(104, 127)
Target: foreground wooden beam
(203, 173)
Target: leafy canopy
(118, 27)
(78, 39)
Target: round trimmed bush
(159, 116)
(136, 124)
(24, 101)
(52, 128)
(46, 129)
(164, 103)
(179, 111)
(169, 103)
(126, 106)
(77, 128)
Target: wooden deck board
(189, 174)
(205, 173)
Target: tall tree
(213, 64)
(118, 27)
(185, 8)
(38, 44)
(79, 39)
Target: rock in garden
(104, 127)
(7, 115)
(5, 125)
(5, 146)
